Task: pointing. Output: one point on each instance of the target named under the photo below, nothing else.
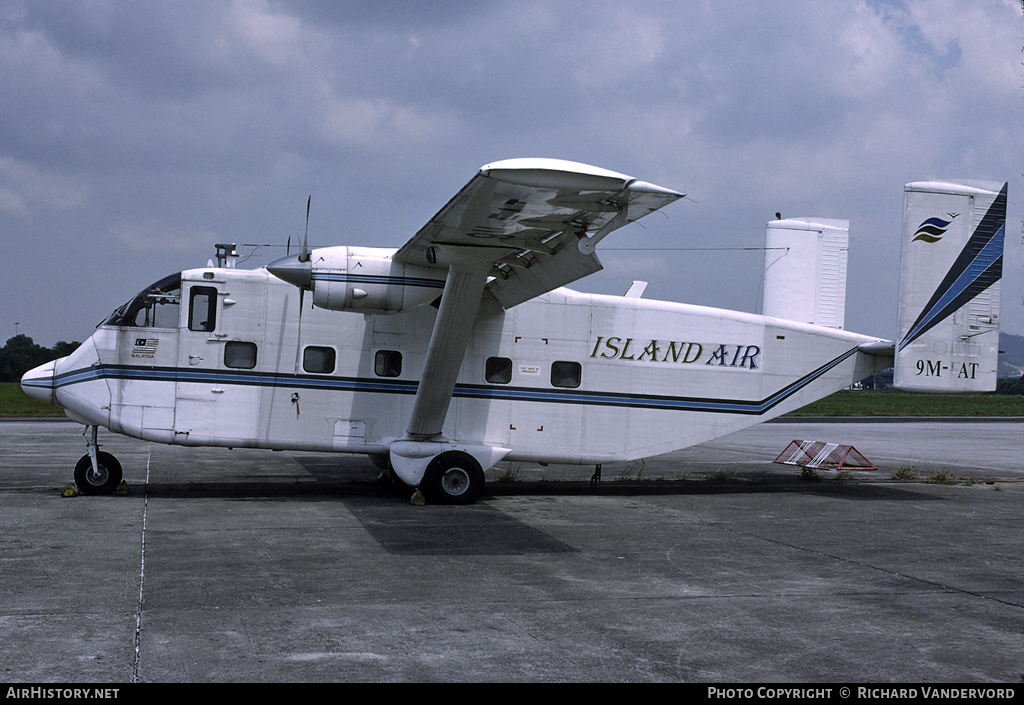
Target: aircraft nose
(293, 270)
(38, 382)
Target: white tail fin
(948, 326)
(805, 270)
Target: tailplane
(952, 261)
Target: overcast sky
(136, 135)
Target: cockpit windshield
(156, 306)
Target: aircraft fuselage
(564, 378)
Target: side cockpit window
(202, 308)
(156, 306)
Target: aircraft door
(548, 352)
(218, 396)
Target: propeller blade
(298, 338)
(304, 252)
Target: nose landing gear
(97, 472)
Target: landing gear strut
(97, 472)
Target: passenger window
(202, 308)
(319, 360)
(498, 370)
(387, 363)
(240, 355)
(565, 374)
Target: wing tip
(555, 173)
(540, 172)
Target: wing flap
(533, 223)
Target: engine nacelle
(368, 280)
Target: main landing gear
(97, 472)
(453, 478)
(444, 472)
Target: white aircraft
(463, 348)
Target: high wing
(532, 223)
(520, 227)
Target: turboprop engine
(359, 279)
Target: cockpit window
(156, 306)
(202, 308)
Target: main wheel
(453, 478)
(105, 481)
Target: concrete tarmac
(708, 565)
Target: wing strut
(423, 442)
(463, 290)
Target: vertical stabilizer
(952, 261)
(805, 270)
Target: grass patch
(809, 475)
(508, 472)
(905, 474)
(942, 478)
(14, 402)
(896, 403)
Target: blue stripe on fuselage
(181, 375)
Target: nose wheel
(103, 479)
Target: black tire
(109, 477)
(453, 478)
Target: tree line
(20, 354)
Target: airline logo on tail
(977, 267)
(933, 229)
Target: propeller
(303, 257)
(304, 252)
(297, 270)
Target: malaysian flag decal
(145, 346)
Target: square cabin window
(565, 374)
(319, 360)
(240, 355)
(387, 363)
(498, 370)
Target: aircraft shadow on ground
(389, 494)
(385, 512)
